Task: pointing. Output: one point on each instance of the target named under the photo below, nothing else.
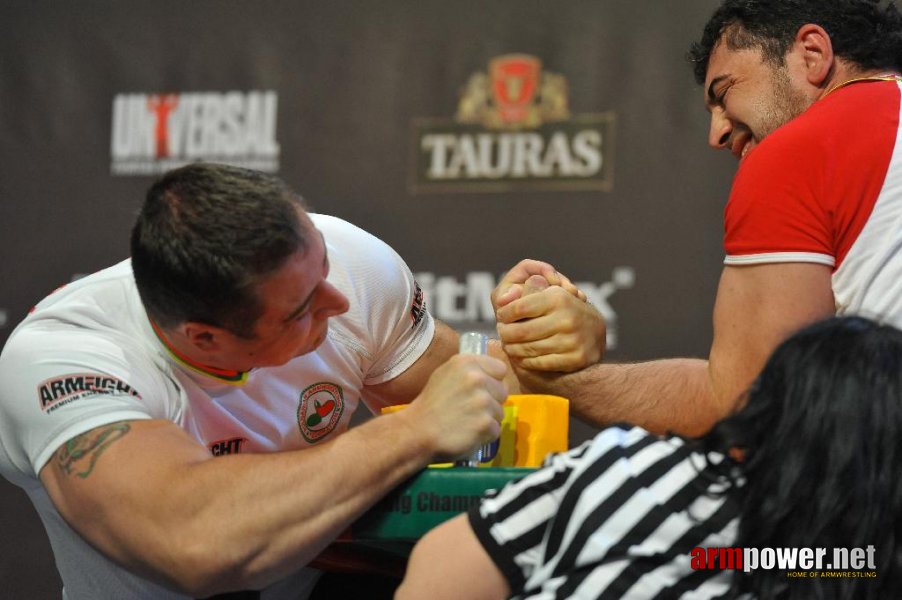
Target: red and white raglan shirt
(88, 356)
(826, 188)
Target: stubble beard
(785, 104)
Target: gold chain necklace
(858, 79)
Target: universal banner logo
(513, 131)
(153, 133)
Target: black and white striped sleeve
(511, 523)
(615, 518)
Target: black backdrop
(336, 97)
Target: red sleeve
(773, 214)
(805, 193)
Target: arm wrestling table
(380, 541)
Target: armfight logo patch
(60, 391)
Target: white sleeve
(60, 384)
(388, 321)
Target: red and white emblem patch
(319, 410)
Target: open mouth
(742, 145)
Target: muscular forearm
(151, 498)
(663, 395)
(296, 503)
(237, 521)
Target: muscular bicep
(408, 384)
(108, 482)
(758, 307)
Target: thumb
(512, 293)
(535, 283)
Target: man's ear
(813, 46)
(207, 338)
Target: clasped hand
(545, 322)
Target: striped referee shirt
(614, 518)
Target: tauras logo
(59, 391)
(513, 130)
(152, 133)
(466, 303)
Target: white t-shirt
(88, 356)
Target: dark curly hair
(205, 236)
(861, 31)
(821, 435)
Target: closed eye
(717, 91)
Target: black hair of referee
(820, 440)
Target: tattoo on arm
(79, 455)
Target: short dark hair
(205, 236)
(861, 31)
(821, 435)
